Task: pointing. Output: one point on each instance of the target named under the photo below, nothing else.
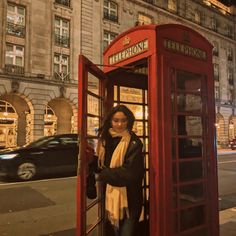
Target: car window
(53, 143)
(68, 140)
(40, 142)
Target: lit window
(62, 32)
(108, 37)
(172, 5)
(197, 17)
(110, 10)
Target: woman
(121, 162)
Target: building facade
(41, 41)
(38, 69)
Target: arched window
(50, 122)
(8, 125)
(232, 127)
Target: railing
(110, 17)
(63, 2)
(64, 77)
(63, 41)
(14, 69)
(15, 29)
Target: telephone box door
(190, 112)
(91, 99)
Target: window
(14, 55)
(230, 54)
(217, 92)
(143, 19)
(230, 94)
(62, 32)
(107, 38)
(69, 141)
(14, 59)
(110, 10)
(229, 31)
(215, 49)
(214, 24)
(61, 67)
(230, 76)
(197, 17)
(172, 5)
(15, 20)
(63, 2)
(216, 72)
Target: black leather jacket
(129, 175)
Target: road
(38, 208)
(48, 207)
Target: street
(47, 207)
(38, 208)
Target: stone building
(40, 44)
(41, 40)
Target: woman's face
(119, 122)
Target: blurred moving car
(232, 144)
(47, 155)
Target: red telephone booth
(164, 74)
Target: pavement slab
(22, 198)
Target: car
(48, 155)
(232, 144)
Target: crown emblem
(126, 41)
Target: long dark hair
(103, 132)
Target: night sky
(228, 2)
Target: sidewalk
(228, 216)
(228, 222)
(225, 151)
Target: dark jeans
(127, 227)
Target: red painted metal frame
(85, 66)
(160, 60)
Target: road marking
(223, 162)
(37, 181)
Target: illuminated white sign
(133, 50)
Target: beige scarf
(116, 197)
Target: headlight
(8, 156)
